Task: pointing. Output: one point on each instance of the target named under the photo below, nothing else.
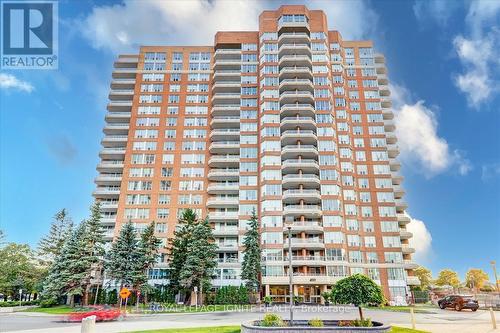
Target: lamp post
(493, 265)
(290, 269)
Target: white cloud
(8, 81)
(418, 138)
(126, 26)
(421, 240)
(438, 11)
(478, 53)
(490, 171)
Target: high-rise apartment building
(292, 121)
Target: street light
(493, 265)
(289, 225)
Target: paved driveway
(440, 321)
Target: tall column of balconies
(299, 150)
(114, 143)
(397, 178)
(224, 159)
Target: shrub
(327, 296)
(268, 300)
(231, 295)
(316, 322)
(47, 303)
(272, 320)
(356, 323)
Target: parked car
(458, 302)
(102, 313)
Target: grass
(236, 329)
(61, 309)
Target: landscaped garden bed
(303, 326)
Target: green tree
(18, 270)
(123, 264)
(425, 277)
(148, 254)
(358, 290)
(93, 249)
(50, 245)
(475, 278)
(251, 267)
(201, 258)
(447, 277)
(178, 247)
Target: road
(440, 321)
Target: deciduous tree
(447, 277)
(475, 278)
(425, 277)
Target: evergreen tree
(251, 268)
(93, 248)
(123, 259)
(148, 253)
(51, 245)
(201, 258)
(179, 247)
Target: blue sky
(443, 63)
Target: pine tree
(148, 253)
(93, 248)
(179, 247)
(51, 245)
(123, 259)
(250, 267)
(201, 258)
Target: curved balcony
(307, 226)
(307, 243)
(225, 134)
(222, 216)
(294, 151)
(306, 165)
(294, 49)
(228, 64)
(119, 106)
(382, 79)
(227, 74)
(226, 87)
(387, 113)
(224, 147)
(305, 136)
(396, 178)
(395, 165)
(398, 191)
(308, 181)
(226, 98)
(302, 97)
(225, 122)
(222, 202)
(403, 219)
(110, 153)
(385, 102)
(227, 54)
(384, 90)
(110, 166)
(294, 38)
(225, 110)
(381, 69)
(223, 188)
(292, 123)
(117, 117)
(297, 110)
(116, 129)
(295, 72)
(303, 210)
(114, 140)
(406, 249)
(401, 205)
(225, 231)
(410, 264)
(296, 84)
(392, 150)
(223, 161)
(405, 234)
(223, 174)
(391, 137)
(389, 126)
(295, 60)
(121, 94)
(290, 196)
(123, 84)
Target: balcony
(389, 126)
(401, 205)
(396, 178)
(309, 227)
(307, 137)
(223, 174)
(227, 74)
(290, 97)
(114, 140)
(225, 122)
(382, 79)
(109, 205)
(403, 219)
(224, 134)
(386, 102)
(225, 231)
(110, 166)
(300, 110)
(119, 117)
(296, 84)
(227, 247)
(123, 84)
(112, 153)
(227, 53)
(303, 210)
(106, 191)
(309, 243)
(295, 151)
(395, 165)
(108, 179)
(225, 147)
(412, 280)
(226, 86)
(406, 249)
(227, 64)
(222, 216)
(405, 234)
(292, 24)
(307, 180)
(222, 202)
(124, 73)
(387, 113)
(294, 165)
(301, 279)
(384, 90)
(294, 49)
(222, 161)
(392, 150)
(226, 110)
(391, 137)
(294, 195)
(294, 38)
(381, 69)
(121, 94)
(292, 123)
(116, 129)
(295, 60)
(410, 264)
(295, 72)
(398, 191)
(218, 188)
(226, 98)
(120, 106)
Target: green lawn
(61, 309)
(236, 329)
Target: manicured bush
(272, 320)
(231, 295)
(48, 303)
(268, 300)
(16, 303)
(316, 322)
